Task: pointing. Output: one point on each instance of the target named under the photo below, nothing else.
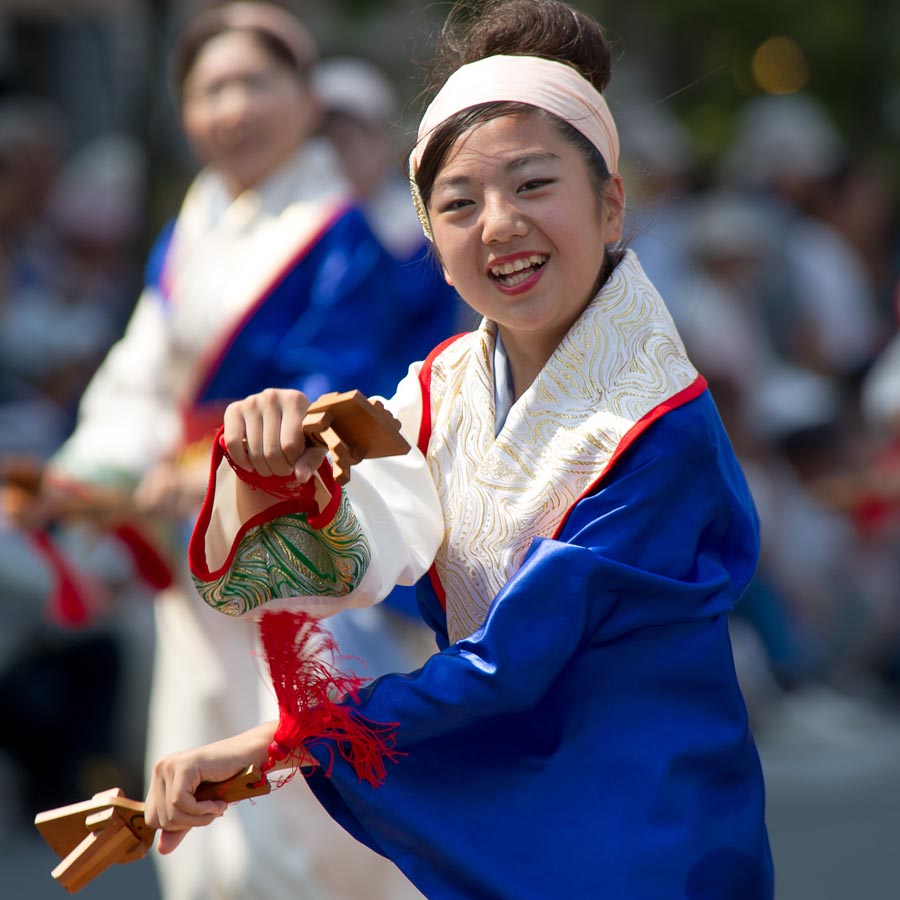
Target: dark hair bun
(545, 28)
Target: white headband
(552, 86)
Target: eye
(453, 205)
(535, 184)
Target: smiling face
(244, 111)
(520, 230)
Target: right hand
(264, 433)
(171, 805)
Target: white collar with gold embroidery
(500, 490)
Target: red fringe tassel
(301, 655)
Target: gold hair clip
(420, 209)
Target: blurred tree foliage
(705, 60)
(699, 54)
(702, 53)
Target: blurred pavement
(832, 770)
(833, 779)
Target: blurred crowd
(69, 224)
(780, 263)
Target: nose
(234, 103)
(502, 220)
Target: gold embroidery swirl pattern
(620, 360)
(287, 558)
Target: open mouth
(511, 274)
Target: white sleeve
(127, 417)
(250, 553)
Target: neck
(526, 359)
(237, 185)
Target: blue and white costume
(580, 732)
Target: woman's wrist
(257, 741)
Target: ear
(614, 208)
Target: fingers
(169, 840)
(21, 508)
(307, 464)
(264, 432)
(171, 805)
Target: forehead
(229, 52)
(507, 141)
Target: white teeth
(518, 265)
(516, 279)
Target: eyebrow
(512, 166)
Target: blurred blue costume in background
(283, 286)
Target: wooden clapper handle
(109, 828)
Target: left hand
(171, 805)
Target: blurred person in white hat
(59, 315)
(660, 174)
(822, 304)
(362, 120)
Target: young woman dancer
(575, 498)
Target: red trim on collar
(425, 437)
(425, 385)
(692, 391)
(697, 387)
(213, 359)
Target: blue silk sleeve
(591, 739)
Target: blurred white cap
(791, 400)
(653, 137)
(782, 136)
(880, 391)
(356, 88)
(726, 223)
(99, 193)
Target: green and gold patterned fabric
(286, 557)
